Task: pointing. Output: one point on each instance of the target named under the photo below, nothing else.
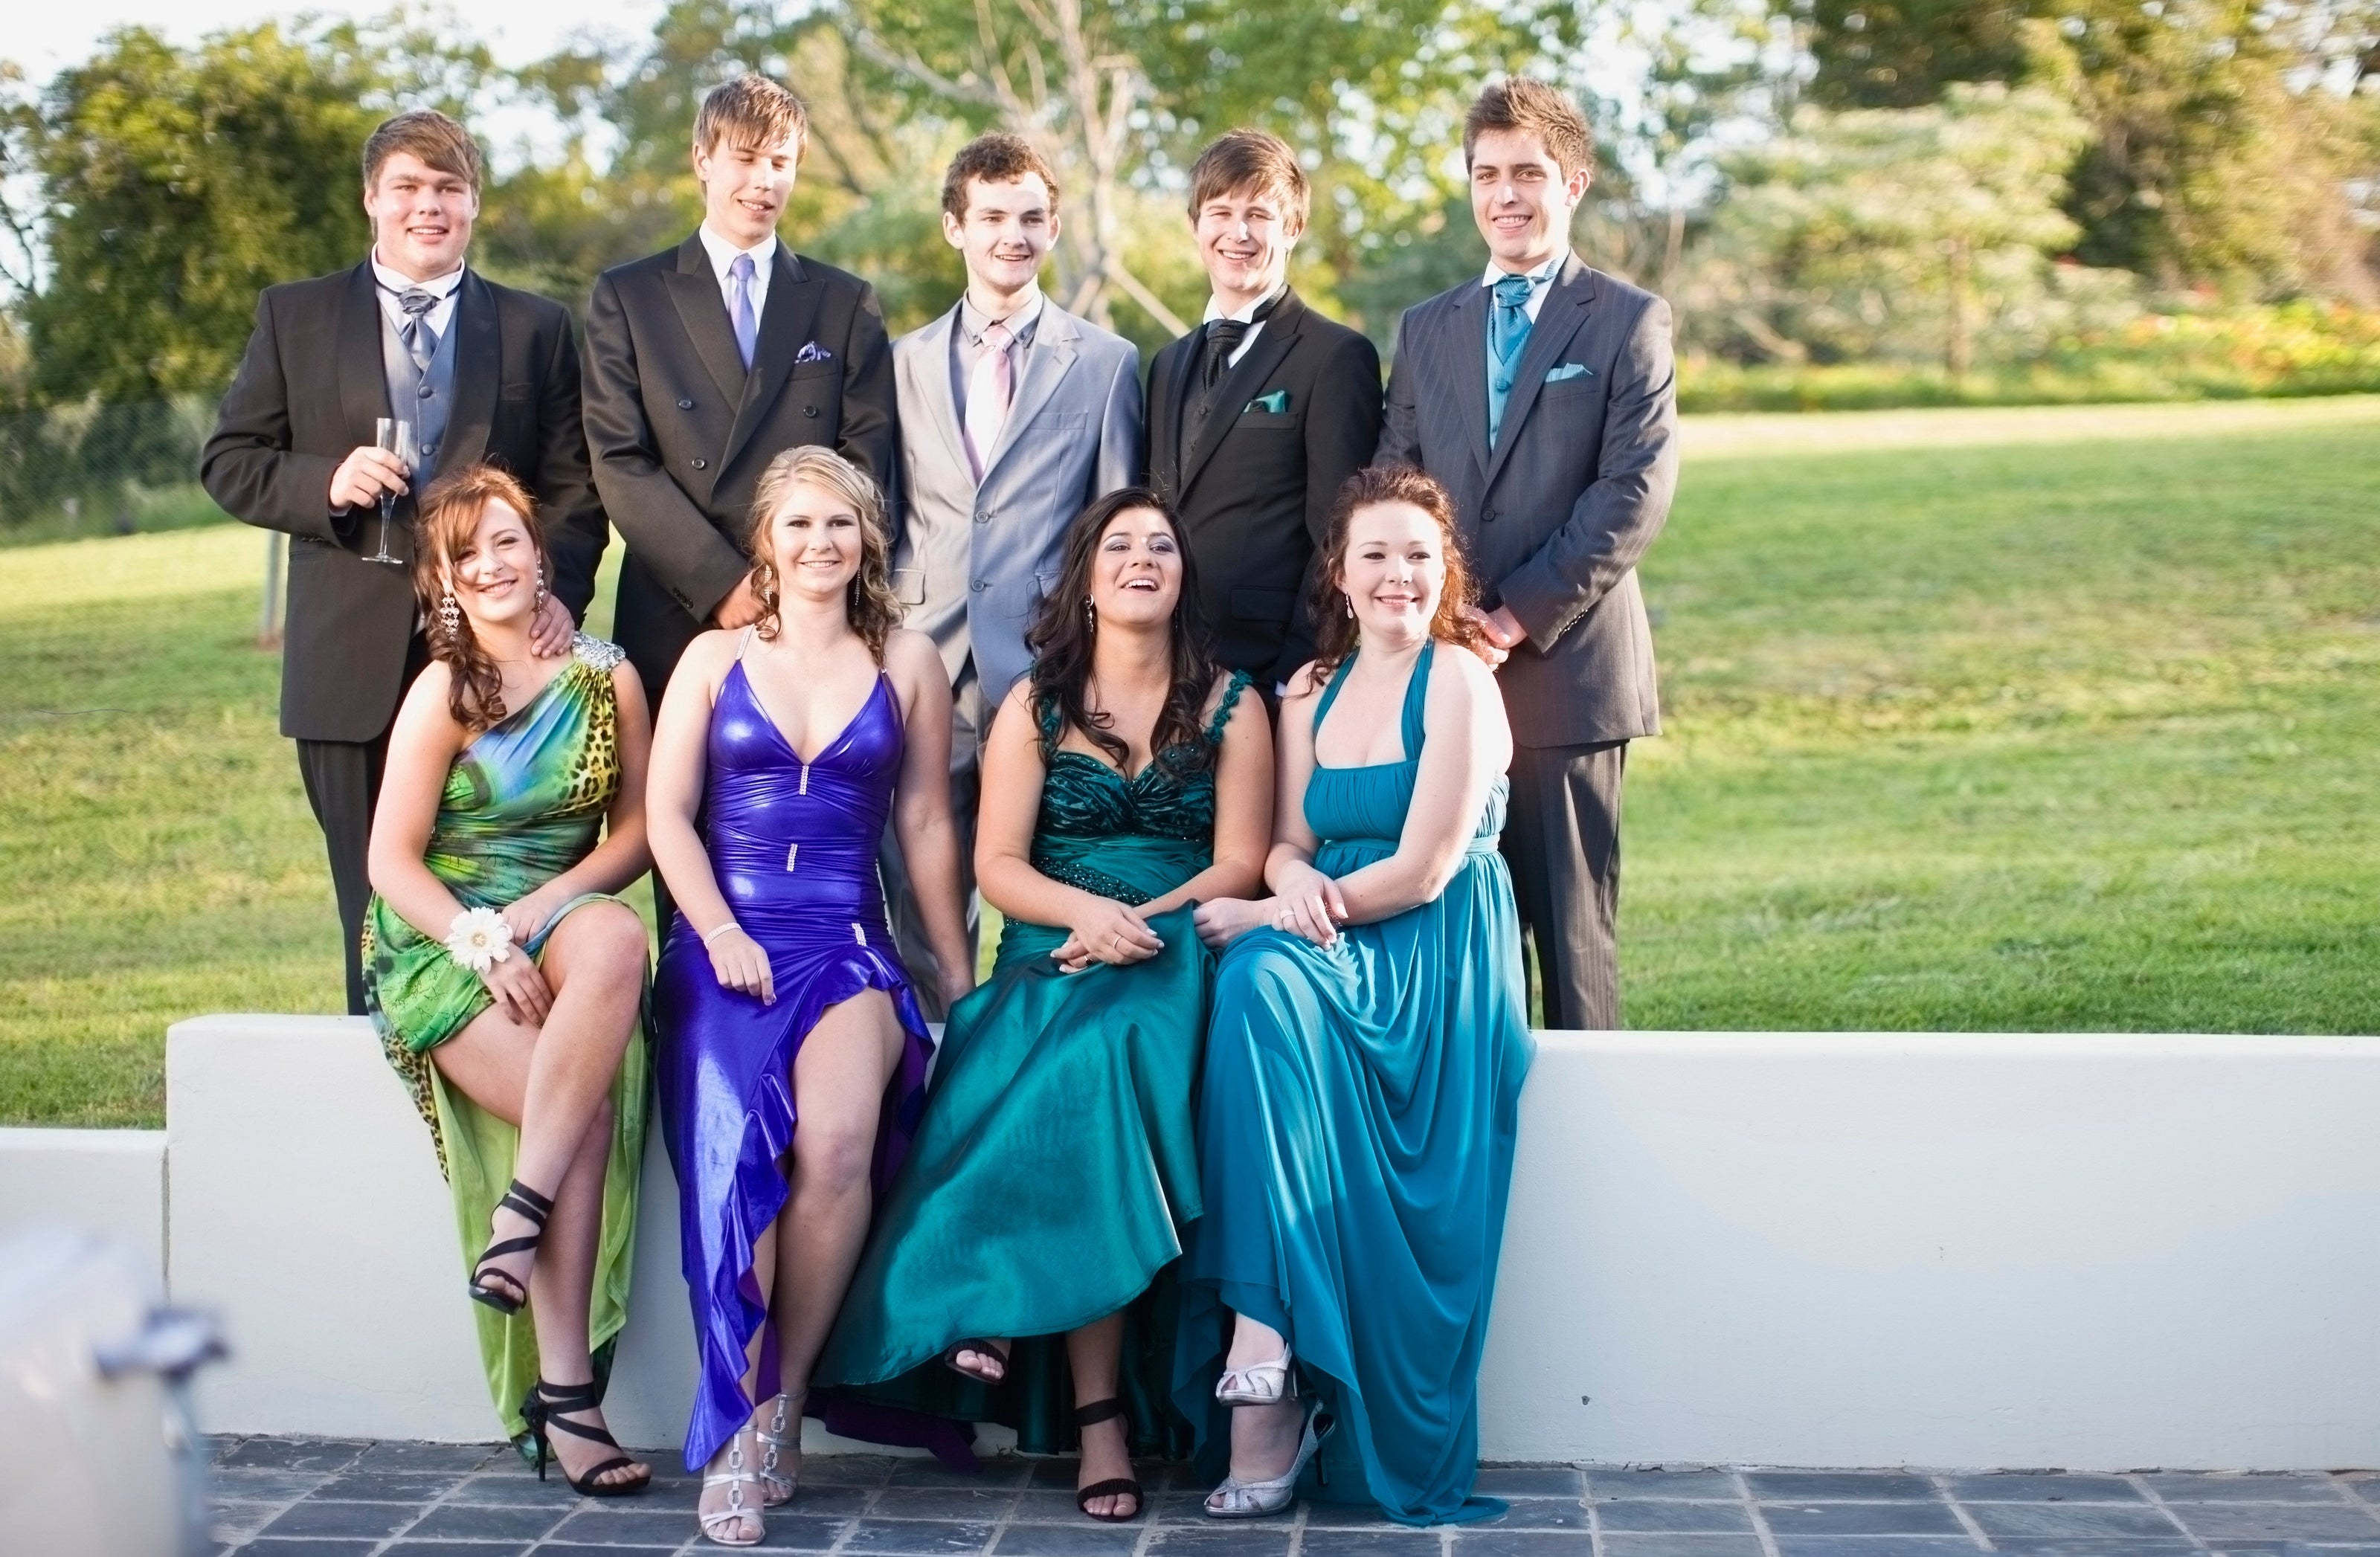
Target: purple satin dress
(794, 848)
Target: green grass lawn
(2008, 720)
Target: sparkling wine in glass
(399, 438)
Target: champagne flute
(399, 438)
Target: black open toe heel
(524, 1202)
(1115, 1487)
(981, 1347)
(543, 1408)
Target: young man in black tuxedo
(1257, 417)
(483, 372)
(706, 360)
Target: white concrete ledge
(107, 1183)
(1829, 1248)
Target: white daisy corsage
(480, 939)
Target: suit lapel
(1167, 416)
(704, 314)
(1046, 362)
(479, 371)
(786, 326)
(932, 354)
(1239, 385)
(1469, 351)
(363, 378)
(1564, 311)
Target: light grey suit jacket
(1555, 514)
(972, 563)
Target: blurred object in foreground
(95, 1418)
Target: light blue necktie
(739, 308)
(1508, 331)
(420, 340)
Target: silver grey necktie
(420, 340)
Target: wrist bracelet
(718, 930)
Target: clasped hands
(1306, 903)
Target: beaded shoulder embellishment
(600, 653)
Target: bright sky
(41, 38)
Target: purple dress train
(793, 845)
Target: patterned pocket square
(1276, 403)
(813, 352)
(1570, 370)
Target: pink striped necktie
(989, 389)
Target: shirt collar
(722, 253)
(437, 286)
(972, 320)
(1215, 310)
(1537, 277)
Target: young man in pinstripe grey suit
(1543, 396)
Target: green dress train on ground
(524, 802)
(1055, 1173)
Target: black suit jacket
(1555, 514)
(307, 392)
(1254, 490)
(680, 432)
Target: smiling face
(1520, 198)
(1244, 238)
(492, 573)
(744, 187)
(1005, 232)
(815, 542)
(1393, 570)
(422, 217)
(1137, 570)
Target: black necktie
(1224, 335)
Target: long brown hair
(1335, 626)
(1062, 637)
(869, 604)
(449, 518)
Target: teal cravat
(1508, 331)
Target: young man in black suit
(1545, 398)
(483, 372)
(1257, 417)
(706, 360)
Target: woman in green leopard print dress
(514, 794)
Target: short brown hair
(996, 158)
(429, 134)
(1522, 102)
(1245, 158)
(756, 110)
(1334, 627)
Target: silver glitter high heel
(1254, 1500)
(1259, 1383)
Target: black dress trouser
(343, 786)
(1561, 842)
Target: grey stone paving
(279, 1497)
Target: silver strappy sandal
(781, 1443)
(735, 1478)
(1254, 1500)
(1259, 1383)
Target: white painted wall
(1775, 1249)
(110, 1184)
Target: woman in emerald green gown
(1018, 1268)
(1363, 1068)
(506, 982)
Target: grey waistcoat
(424, 399)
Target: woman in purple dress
(793, 1051)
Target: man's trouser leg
(1561, 841)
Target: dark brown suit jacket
(680, 432)
(307, 392)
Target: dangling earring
(450, 616)
(1348, 601)
(540, 589)
(1091, 613)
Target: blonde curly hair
(870, 603)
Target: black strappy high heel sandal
(522, 1200)
(1114, 1487)
(981, 1347)
(544, 1409)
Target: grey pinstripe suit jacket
(1555, 516)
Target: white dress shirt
(392, 287)
(722, 254)
(1541, 281)
(1215, 311)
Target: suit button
(427, 391)
(809, 410)
(700, 464)
(1487, 516)
(984, 518)
(686, 404)
(979, 586)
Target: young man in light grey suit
(1015, 414)
(1544, 397)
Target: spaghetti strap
(746, 641)
(1413, 726)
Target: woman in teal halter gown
(1025, 1247)
(1364, 1061)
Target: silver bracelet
(717, 931)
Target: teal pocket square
(1276, 403)
(1570, 370)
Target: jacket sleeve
(248, 466)
(1623, 508)
(659, 522)
(1400, 424)
(1120, 455)
(866, 436)
(575, 526)
(1342, 431)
